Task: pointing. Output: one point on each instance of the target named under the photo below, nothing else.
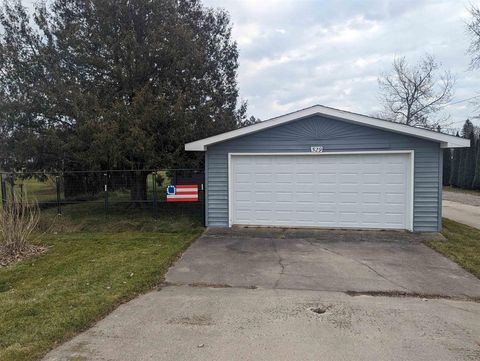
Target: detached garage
(323, 167)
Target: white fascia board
(445, 140)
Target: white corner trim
(445, 140)
(411, 185)
(230, 184)
(411, 207)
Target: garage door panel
(326, 198)
(371, 198)
(304, 197)
(394, 221)
(286, 197)
(393, 179)
(347, 218)
(371, 217)
(264, 160)
(326, 178)
(395, 198)
(262, 197)
(331, 169)
(326, 208)
(371, 178)
(261, 187)
(372, 208)
(327, 216)
(283, 177)
(347, 197)
(394, 209)
(244, 196)
(393, 188)
(352, 191)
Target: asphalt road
(462, 207)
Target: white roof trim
(445, 140)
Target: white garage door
(322, 190)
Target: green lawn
(41, 190)
(462, 245)
(93, 264)
(44, 190)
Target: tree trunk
(138, 190)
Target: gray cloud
(295, 53)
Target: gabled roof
(445, 140)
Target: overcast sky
(296, 53)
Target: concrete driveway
(322, 260)
(296, 295)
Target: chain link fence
(107, 192)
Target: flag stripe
(186, 190)
(181, 196)
(182, 199)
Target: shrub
(19, 218)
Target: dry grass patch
(19, 218)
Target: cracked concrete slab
(188, 323)
(316, 260)
(362, 280)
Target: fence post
(57, 186)
(12, 187)
(3, 190)
(106, 193)
(154, 188)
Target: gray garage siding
(333, 135)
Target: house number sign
(317, 149)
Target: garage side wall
(333, 135)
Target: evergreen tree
(114, 84)
(469, 166)
(456, 160)
(461, 167)
(447, 166)
(467, 129)
(461, 181)
(476, 179)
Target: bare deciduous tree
(414, 95)
(473, 27)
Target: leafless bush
(19, 217)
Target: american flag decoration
(182, 193)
